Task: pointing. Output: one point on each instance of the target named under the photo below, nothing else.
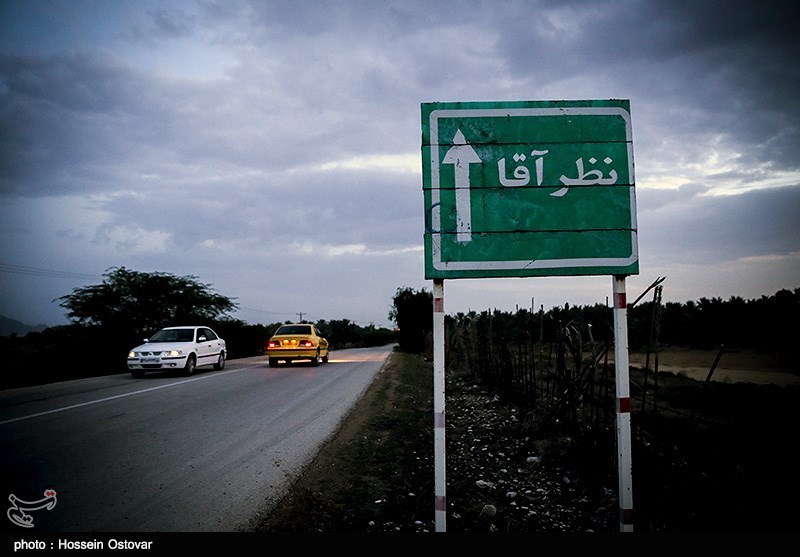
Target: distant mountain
(9, 326)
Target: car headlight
(173, 353)
(132, 354)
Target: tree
(131, 302)
(413, 314)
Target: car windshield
(173, 335)
(294, 330)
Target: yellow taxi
(297, 341)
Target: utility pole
(301, 316)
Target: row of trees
(111, 317)
(139, 303)
(766, 323)
(133, 304)
(558, 365)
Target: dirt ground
(708, 457)
(734, 366)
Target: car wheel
(221, 362)
(191, 364)
(138, 373)
(325, 358)
(315, 360)
(273, 362)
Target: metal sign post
(440, 486)
(624, 444)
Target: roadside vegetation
(708, 457)
(530, 406)
(111, 317)
(531, 430)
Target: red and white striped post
(440, 486)
(624, 443)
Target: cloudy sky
(272, 148)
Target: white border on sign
(436, 221)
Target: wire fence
(566, 378)
(568, 381)
(557, 373)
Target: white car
(180, 348)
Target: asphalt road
(167, 453)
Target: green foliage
(242, 339)
(61, 353)
(246, 340)
(343, 333)
(110, 318)
(144, 302)
(413, 313)
(131, 305)
(763, 324)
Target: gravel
(501, 479)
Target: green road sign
(528, 188)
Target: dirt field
(733, 366)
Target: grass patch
(378, 466)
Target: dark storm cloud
(251, 142)
(67, 121)
(688, 227)
(165, 24)
(329, 208)
(723, 67)
(84, 123)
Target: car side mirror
(146, 339)
(201, 339)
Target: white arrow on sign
(461, 154)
